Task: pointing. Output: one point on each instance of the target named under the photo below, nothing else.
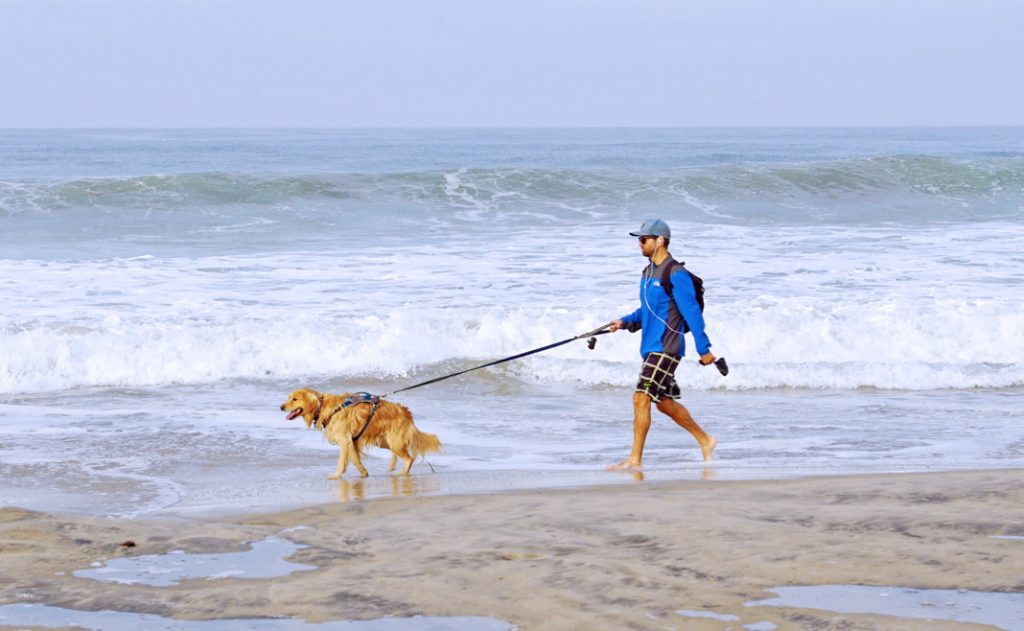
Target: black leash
(590, 343)
(366, 397)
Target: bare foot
(709, 447)
(625, 465)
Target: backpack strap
(698, 286)
(666, 275)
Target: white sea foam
(149, 321)
(790, 308)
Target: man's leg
(641, 425)
(682, 417)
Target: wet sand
(610, 557)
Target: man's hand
(616, 325)
(707, 358)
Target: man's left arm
(686, 301)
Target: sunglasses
(644, 238)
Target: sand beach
(626, 556)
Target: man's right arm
(631, 322)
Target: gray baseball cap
(653, 228)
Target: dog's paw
(336, 476)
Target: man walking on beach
(668, 299)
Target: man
(661, 319)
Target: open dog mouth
(294, 413)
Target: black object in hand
(719, 364)
(722, 366)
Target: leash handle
(601, 330)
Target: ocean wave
(778, 343)
(919, 187)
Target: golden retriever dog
(391, 428)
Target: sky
(510, 63)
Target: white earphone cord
(647, 303)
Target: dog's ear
(319, 405)
(309, 407)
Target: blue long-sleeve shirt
(661, 318)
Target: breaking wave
(783, 343)
(897, 187)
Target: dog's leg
(357, 458)
(342, 463)
(409, 459)
(394, 462)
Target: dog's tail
(424, 443)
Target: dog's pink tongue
(294, 413)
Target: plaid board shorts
(658, 377)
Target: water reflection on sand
(46, 616)
(1002, 610)
(392, 486)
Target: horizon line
(490, 127)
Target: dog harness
(356, 399)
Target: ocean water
(163, 291)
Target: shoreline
(383, 486)
(317, 490)
(611, 556)
(112, 455)
(483, 483)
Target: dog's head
(305, 403)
